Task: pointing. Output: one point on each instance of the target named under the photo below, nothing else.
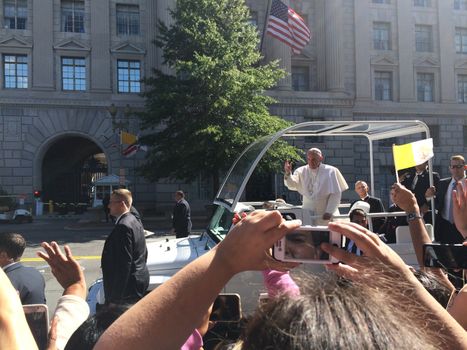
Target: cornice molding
(72, 45)
(127, 47)
(16, 42)
(384, 60)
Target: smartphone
(446, 256)
(37, 316)
(303, 245)
(263, 299)
(226, 308)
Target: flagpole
(395, 165)
(266, 18)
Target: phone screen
(226, 308)
(37, 318)
(447, 256)
(305, 245)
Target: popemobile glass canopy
(237, 177)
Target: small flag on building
(127, 139)
(287, 26)
(130, 150)
(412, 154)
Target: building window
(423, 38)
(127, 19)
(381, 1)
(253, 20)
(300, 78)
(425, 84)
(381, 36)
(422, 3)
(72, 16)
(461, 40)
(383, 86)
(129, 76)
(462, 88)
(15, 71)
(73, 74)
(15, 14)
(460, 4)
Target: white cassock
(321, 189)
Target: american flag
(287, 26)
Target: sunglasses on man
(459, 166)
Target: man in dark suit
(27, 280)
(445, 230)
(376, 205)
(123, 262)
(418, 181)
(181, 218)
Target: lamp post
(119, 125)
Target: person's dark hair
(333, 313)
(87, 335)
(13, 244)
(433, 285)
(180, 193)
(356, 212)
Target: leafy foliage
(6, 201)
(213, 105)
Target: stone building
(70, 71)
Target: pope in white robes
(320, 185)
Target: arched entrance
(68, 168)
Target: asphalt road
(85, 240)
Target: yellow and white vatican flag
(412, 154)
(127, 139)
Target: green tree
(213, 105)
(6, 202)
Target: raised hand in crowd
(169, 314)
(14, 329)
(430, 192)
(65, 269)
(382, 261)
(287, 167)
(459, 202)
(407, 201)
(71, 310)
(458, 305)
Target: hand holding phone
(226, 308)
(446, 256)
(37, 316)
(303, 245)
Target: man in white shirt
(320, 185)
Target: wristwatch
(413, 216)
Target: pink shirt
(194, 341)
(277, 282)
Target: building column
(100, 43)
(362, 51)
(447, 54)
(406, 35)
(275, 49)
(151, 29)
(42, 54)
(319, 36)
(162, 9)
(333, 30)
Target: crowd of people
(370, 299)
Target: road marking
(84, 257)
